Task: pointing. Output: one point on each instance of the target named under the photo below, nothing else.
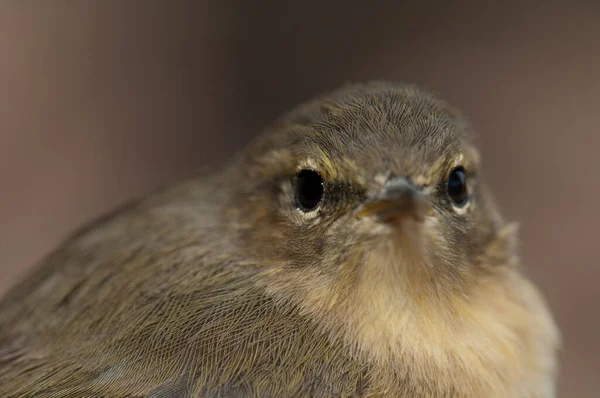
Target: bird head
(376, 176)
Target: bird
(352, 249)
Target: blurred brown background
(103, 101)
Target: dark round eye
(457, 186)
(309, 190)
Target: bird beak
(398, 200)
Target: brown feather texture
(224, 286)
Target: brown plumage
(352, 250)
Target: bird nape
(353, 249)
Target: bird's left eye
(457, 186)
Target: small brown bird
(352, 250)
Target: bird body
(351, 250)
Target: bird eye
(309, 190)
(457, 186)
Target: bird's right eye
(309, 190)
